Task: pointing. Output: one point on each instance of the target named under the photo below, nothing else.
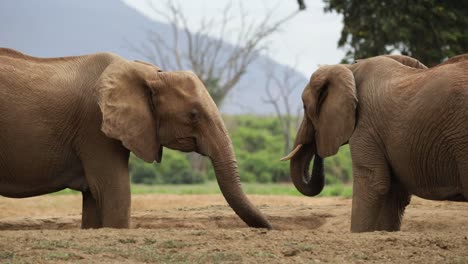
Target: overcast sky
(307, 40)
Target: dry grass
(202, 229)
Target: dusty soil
(203, 229)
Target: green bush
(338, 169)
(259, 145)
(174, 169)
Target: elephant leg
(106, 172)
(116, 203)
(90, 216)
(366, 205)
(111, 187)
(393, 209)
(371, 183)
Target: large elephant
(407, 127)
(71, 123)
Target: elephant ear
(408, 61)
(127, 110)
(334, 91)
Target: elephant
(455, 59)
(406, 126)
(71, 122)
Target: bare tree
(219, 64)
(281, 83)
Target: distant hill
(52, 28)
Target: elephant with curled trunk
(407, 127)
(71, 123)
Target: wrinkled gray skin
(407, 127)
(71, 123)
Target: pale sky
(307, 40)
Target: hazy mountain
(51, 28)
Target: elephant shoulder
(455, 59)
(14, 54)
(6, 52)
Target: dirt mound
(203, 229)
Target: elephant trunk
(225, 167)
(305, 149)
(305, 184)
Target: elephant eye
(193, 114)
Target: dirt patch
(203, 229)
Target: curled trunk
(305, 150)
(309, 185)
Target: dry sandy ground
(202, 229)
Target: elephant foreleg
(106, 172)
(393, 209)
(90, 213)
(370, 190)
(111, 187)
(371, 184)
(116, 204)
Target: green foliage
(429, 30)
(258, 144)
(339, 168)
(174, 169)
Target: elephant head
(147, 109)
(330, 105)
(329, 119)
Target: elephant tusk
(292, 153)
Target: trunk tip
(264, 224)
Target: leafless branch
(284, 83)
(205, 49)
